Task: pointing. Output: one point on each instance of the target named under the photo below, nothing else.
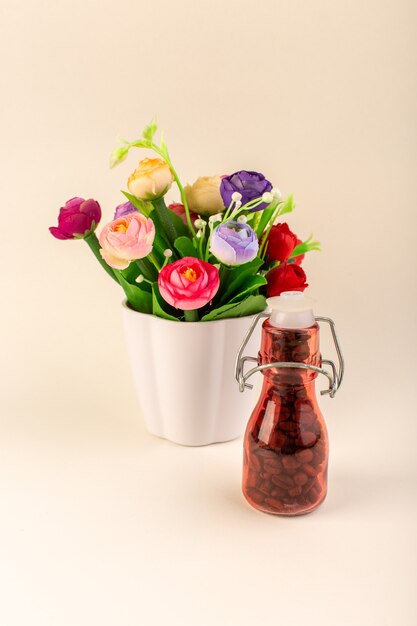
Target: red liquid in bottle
(286, 443)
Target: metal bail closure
(334, 377)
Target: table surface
(102, 523)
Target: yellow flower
(151, 179)
(204, 197)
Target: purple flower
(124, 209)
(250, 185)
(77, 219)
(234, 243)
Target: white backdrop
(101, 523)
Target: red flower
(281, 243)
(286, 277)
(178, 209)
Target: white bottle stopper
(292, 309)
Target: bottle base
(283, 509)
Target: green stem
(94, 245)
(227, 212)
(152, 257)
(191, 316)
(203, 234)
(269, 227)
(147, 269)
(164, 154)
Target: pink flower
(126, 239)
(188, 283)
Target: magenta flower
(77, 219)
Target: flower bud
(200, 224)
(267, 197)
(77, 219)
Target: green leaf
(172, 226)
(267, 213)
(143, 207)
(161, 242)
(150, 130)
(252, 283)
(118, 155)
(306, 246)
(138, 299)
(185, 247)
(236, 278)
(179, 225)
(249, 306)
(140, 143)
(158, 303)
(287, 206)
(131, 273)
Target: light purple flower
(234, 243)
(77, 219)
(124, 209)
(250, 185)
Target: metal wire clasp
(334, 377)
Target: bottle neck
(289, 346)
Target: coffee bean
(288, 426)
(264, 486)
(272, 469)
(306, 439)
(305, 456)
(310, 470)
(290, 462)
(257, 496)
(252, 479)
(300, 478)
(256, 466)
(283, 480)
(276, 504)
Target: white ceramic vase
(184, 374)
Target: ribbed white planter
(184, 376)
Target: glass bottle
(286, 443)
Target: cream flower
(204, 197)
(151, 179)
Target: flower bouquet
(212, 257)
